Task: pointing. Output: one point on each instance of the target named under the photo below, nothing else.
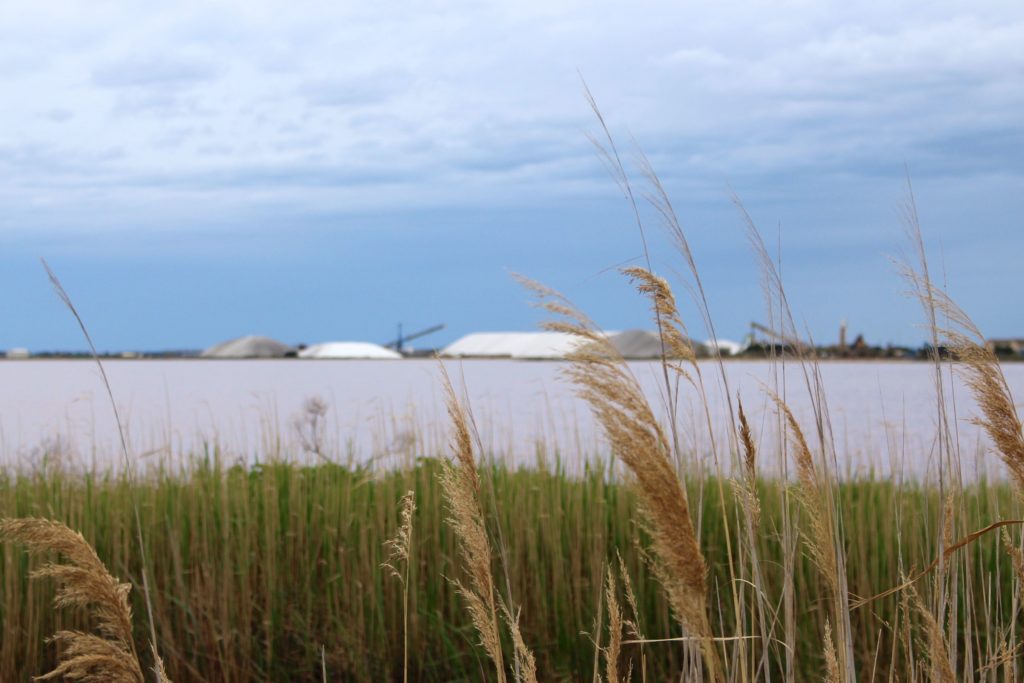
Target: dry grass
(613, 650)
(823, 542)
(84, 583)
(400, 553)
(814, 495)
(832, 674)
(525, 666)
(461, 484)
(933, 642)
(747, 487)
(129, 464)
(637, 439)
(982, 374)
(676, 345)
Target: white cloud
(451, 102)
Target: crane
(778, 336)
(399, 344)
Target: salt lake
(883, 413)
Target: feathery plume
(400, 547)
(158, 667)
(615, 624)
(934, 642)
(1016, 556)
(812, 493)
(461, 485)
(632, 624)
(603, 380)
(663, 304)
(823, 545)
(831, 663)
(748, 488)
(525, 664)
(979, 366)
(83, 582)
(399, 551)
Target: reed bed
(259, 568)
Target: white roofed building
(727, 347)
(632, 344)
(520, 345)
(350, 350)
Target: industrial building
(349, 350)
(524, 345)
(632, 344)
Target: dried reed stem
(399, 552)
(823, 545)
(663, 304)
(461, 485)
(633, 625)
(831, 663)
(813, 495)
(84, 583)
(934, 642)
(748, 488)
(158, 667)
(1016, 556)
(615, 625)
(129, 468)
(525, 665)
(983, 375)
(617, 401)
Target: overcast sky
(318, 171)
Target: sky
(323, 171)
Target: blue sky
(325, 170)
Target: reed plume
(615, 625)
(933, 645)
(747, 488)
(814, 494)
(84, 582)
(400, 552)
(982, 374)
(677, 345)
(632, 626)
(525, 669)
(400, 547)
(158, 667)
(461, 484)
(602, 379)
(1016, 556)
(831, 663)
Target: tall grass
(257, 567)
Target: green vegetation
(256, 568)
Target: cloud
(152, 72)
(59, 114)
(354, 91)
(462, 103)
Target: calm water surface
(883, 414)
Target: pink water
(883, 414)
